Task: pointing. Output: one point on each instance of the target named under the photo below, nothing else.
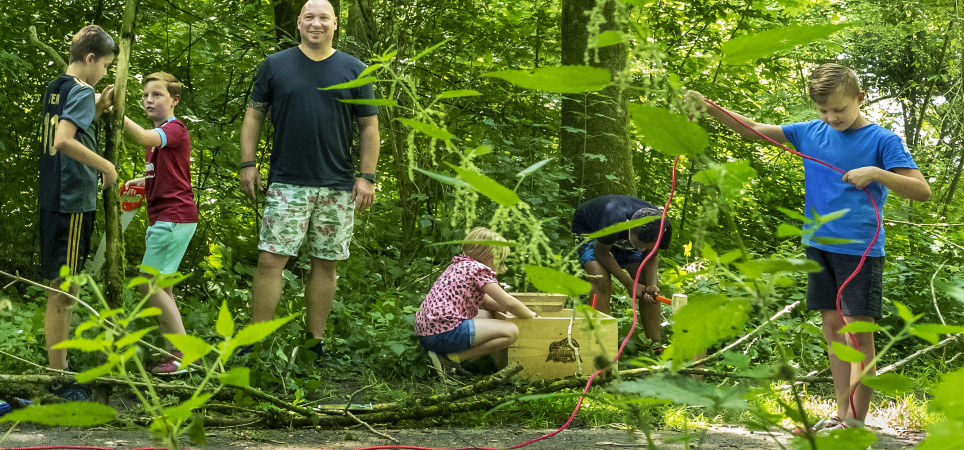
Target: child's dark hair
(829, 78)
(649, 231)
(172, 83)
(92, 39)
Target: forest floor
(714, 437)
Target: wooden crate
(543, 346)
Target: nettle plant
(114, 333)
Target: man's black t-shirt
(601, 212)
(313, 129)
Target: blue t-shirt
(67, 185)
(312, 129)
(826, 192)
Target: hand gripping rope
(863, 258)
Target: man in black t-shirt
(313, 189)
(619, 254)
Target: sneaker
(445, 367)
(244, 350)
(172, 366)
(70, 391)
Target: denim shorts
(587, 254)
(457, 340)
(863, 296)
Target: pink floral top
(455, 296)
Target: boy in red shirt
(170, 198)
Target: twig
(351, 398)
(12, 282)
(49, 369)
(486, 384)
(940, 225)
(920, 353)
(44, 286)
(59, 60)
(386, 436)
(934, 294)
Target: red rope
(863, 258)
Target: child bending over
(451, 325)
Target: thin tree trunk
(594, 126)
(115, 260)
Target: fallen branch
(938, 225)
(719, 353)
(499, 378)
(919, 353)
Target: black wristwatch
(368, 176)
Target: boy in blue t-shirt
(69, 166)
(873, 158)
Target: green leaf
(693, 333)
(257, 331)
(183, 411)
(137, 281)
(225, 323)
(148, 312)
(238, 376)
(731, 256)
(84, 345)
(132, 338)
(370, 69)
(622, 226)
(666, 132)
(488, 187)
(458, 93)
(481, 150)
(944, 435)
(370, 101)
(429, 50)
(833, 241)
(937, 328)
(904, 313)
(558, 79)
(97, 372)
(70, 414)
(193, 348)
(170, 279)
(553, 281)
(847, 353)
(685, 390)
(361, 81)
(784, 230)
(611, 37)
(949, 396)
(745, 49)
(756, 268)
(444, 179)
(427, 128)
(860, 326)
(196, 430)
(730, 177)
(846, 439)
(794, 214)
(830, 216)
(533, 168)
(889, 383)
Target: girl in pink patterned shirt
(455, 322)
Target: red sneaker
(172, 366)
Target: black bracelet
(247, 164)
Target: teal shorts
(324, 217)
(166, 243)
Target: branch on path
(499, 378)
(921, 352)
(938, 225)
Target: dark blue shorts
(457, 340)
(863, 296)
(587, 253)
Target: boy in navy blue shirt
(873, 158)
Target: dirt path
(716, 437)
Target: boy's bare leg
(845, 373)
(267, 285)
(320, 295)
(170, 319)
(649, 316)
(602, 285)
(57, 324)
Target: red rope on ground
(863, 258)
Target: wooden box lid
(540, 301)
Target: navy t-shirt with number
(601, 212)
(66, 185)
(313, 129)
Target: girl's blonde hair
(498, 253)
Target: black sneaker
(316, 348)
(244, 350)
(17, 404)
(70, 391)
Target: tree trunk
(115, 261)
(594, 135)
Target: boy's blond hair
(498, 253)
(172, 83)
(92, 39)
(828, 79)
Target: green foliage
(70, 414)
(553, 281)
(560, 79)
(745, 49)
(666, 132)
(693, 333)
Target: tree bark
(114, 263)
(594, 134)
